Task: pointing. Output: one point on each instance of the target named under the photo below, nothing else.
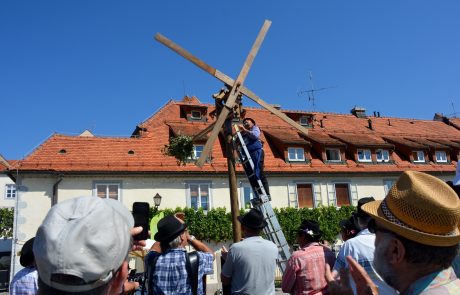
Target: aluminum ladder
(261, 201)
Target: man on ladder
(251, 136)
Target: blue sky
(67, 66)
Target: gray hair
(176, 242)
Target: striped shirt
(305, 270)
(25, 282)
(444, 282)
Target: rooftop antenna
(454, 114)
(311, 92)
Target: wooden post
(233, 186)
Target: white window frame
(199, 203)
(418, 152)
(10, 191)
(195, 117)
(303, 121)
(438, 160)
(107, 183)
(245, 187)
(296, 151)
(366, 155)
(338, 153)
(385, 156)
(195, 155)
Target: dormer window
(306, 121)
(419, 156)
(364, 156)
(441, 157)
(383, 156)
(296, 154)
(333, 155)
(197, 150)
(195, 115)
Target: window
(342, 194)
(383, 156)
(108, 190)
(306, 121)
(10, 191)
(419, 156)
(333, 155)
(296, 154)
(387, 184)
(197, 150)
(305, 195)
(441, 157)
(199, 196)
(246, 196)
(364, 156)
(196, 115)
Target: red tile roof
(142, 153)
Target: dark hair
(250, 119)
(417, 253)
(44, 289)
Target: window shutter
(354, 194)
(331, 194)
(187, 195)
(292, 195)
(317, 194)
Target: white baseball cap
(456, 180)
(86, 237)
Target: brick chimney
(359, 112)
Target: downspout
(54, 197)
(14, 241)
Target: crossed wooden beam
(237, 88)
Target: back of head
(82, 243)
(27, 258)
(361, 217)
(310, 229)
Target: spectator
(361, 248)
(348, 229)
(304, 273)
(25, 281)
(455, 185)
(251, 136)
(250, 264)
(168, 270)
(82, 246)
(417, 237)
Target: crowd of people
(406, 243)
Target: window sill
(335, 162)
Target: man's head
(249, 122)
(348, 229)
(170, 229)
(416, 228)
(360, 217)
(27, 258)
(252, 222)
(82, 245)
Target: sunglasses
(374, 228)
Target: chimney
(375, 114)
(389, 122)
(321, 123)
(378, 114)
(359, 112)
(438, 117)
(370, 124)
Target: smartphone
(141, 218)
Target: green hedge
(216, 224)
(6, 222)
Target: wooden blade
(234, 92)
(228, 81)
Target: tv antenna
(311, 92)
(454, 114)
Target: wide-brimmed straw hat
(421, 208)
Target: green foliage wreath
(180, 147)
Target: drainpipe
(54, 197)
(15, 226)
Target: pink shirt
(305, 270)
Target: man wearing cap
(251, 137)
(25, 282)
(361, 248)
(417, 236)
(250, 264)
(82, 247)
(305, 269)
(168, 272)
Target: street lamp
(157, 200)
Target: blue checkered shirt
(25, 282)
(170, 276)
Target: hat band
(389, 215)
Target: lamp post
(157, 200)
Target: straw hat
(421, 208)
